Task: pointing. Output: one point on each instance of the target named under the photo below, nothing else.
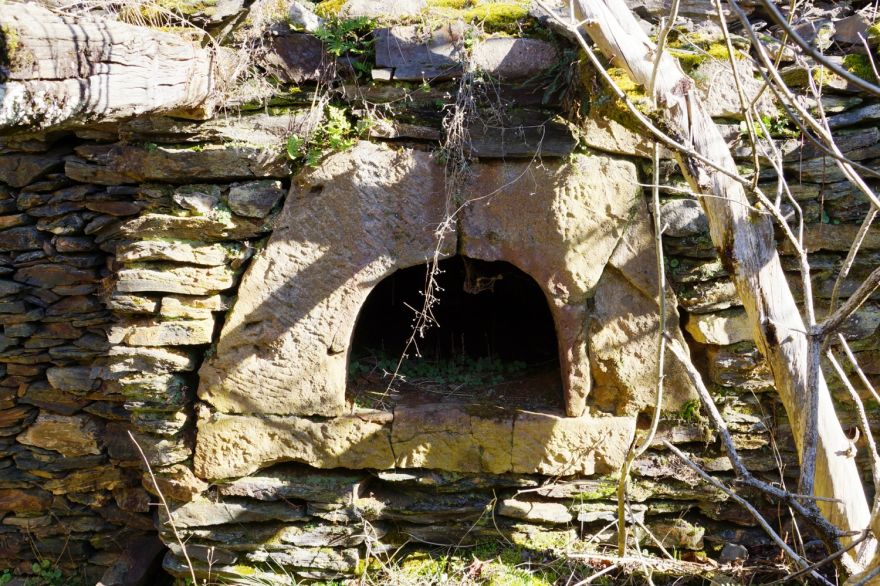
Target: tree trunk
(59, 69)
(745, 243)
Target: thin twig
(165, 506)
(752, 510)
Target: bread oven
(291, 377)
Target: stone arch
(489, 312)
(366, 213)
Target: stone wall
(123, 247)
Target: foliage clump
(336, 134)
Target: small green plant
(350, 38)
(47, 574)
(335, 135)
(5, 577)
(690, 411)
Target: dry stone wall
(122, 251)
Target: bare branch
(752, 510)
(865, 290)
(777, 17)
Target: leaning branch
(746, 246)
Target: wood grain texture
(60, 69)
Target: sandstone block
(196, 253)
(236, 445)
(463, 439)
(563, 446)
(574, 224)
(722, 328)
(175, 279)
(154, 332)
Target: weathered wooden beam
(63, 69)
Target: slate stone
(13, 220)
(295, 57)
(114, 208)
(732, 552)
(157, 332)
(204, 513)
(444, 481)
(65, 244)
(414, 55)
(120, 164)
(297, 482)
(254, 199)
(136, 566)
(532, 510)
(201, 199)
(69, 224)
(330, 535)
(399, 9)
(57, 209)
(865, 114)
(36, 459)
(423, 507)
(514, 58)
(41, 394)
(73, 379)
(53, 275)
(18, 170)
(196, 228)
(521, 134)
(683, 217)
(20, 501)
(158, 423)
(341, 560)
(22, 238)
(123, 359)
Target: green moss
(241, 570)
(507, 17)
(605, 489)
(329, 8)
(456, 4)
(11, 41)
(542, 539)
(860, 65)
(873, 33)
